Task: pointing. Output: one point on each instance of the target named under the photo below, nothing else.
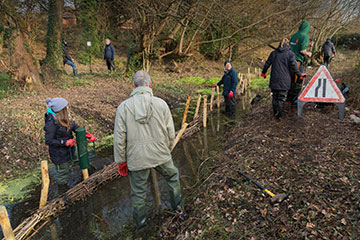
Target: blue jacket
(230, 81)
(109, 52)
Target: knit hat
(227, 61)
(56, 104)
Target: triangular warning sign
(322, 88)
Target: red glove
(123, 169)
(303, 75)
(231, 94)
(334, 54)
(263, 75)
(92, 138)
(70, 142)
(214, 85)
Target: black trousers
(295, 89)
(278, 99)
(327, 60)
(110, 64)
(230, 106)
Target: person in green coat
(299, 42)
(143, 136)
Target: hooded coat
(328, 49)
(283, 64)
(144, 131)
(300, 41)
(56, 137)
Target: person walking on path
(59, 137)
(67, 59)
(143, 135)
(299, 42)
(283, 63)
(109, 55)
(230, 81)
(327, 51)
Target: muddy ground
(314, 159)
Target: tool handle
(252, 180)
(71, 156)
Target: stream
(105, 214)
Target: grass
(259, 83)
(83, 81)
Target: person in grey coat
(143, 136)
(327, 51)
(109, 55)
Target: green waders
(62, 171)
(139, 183)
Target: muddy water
(105, 214)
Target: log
(186, 111)
(197, 107)
(205, 112)
(5, 224)
(45, 183)
(212, 99)
(179, 135)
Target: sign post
(322, 89)
(88, 43)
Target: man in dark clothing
(67, 59)
(298, 44)
(283, 63)
(327, 50)
(109, 55)
(230, 81)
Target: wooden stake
(85, 173)
(186, 110)
(218, 96)
(45, 183)
(248, 70)
(153, 172)
(5, 224)
(156, 188)
(212, 99)
(197, 107)
(205, 111)
(180, 133)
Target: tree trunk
(89, 30)
(53, 61)
(25, 64)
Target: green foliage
(89, 32)
(195, 80)
(259, 83)
(211, 81)
(204, 91)
(77, 82)
(7, 85)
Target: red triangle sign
(322, 88)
